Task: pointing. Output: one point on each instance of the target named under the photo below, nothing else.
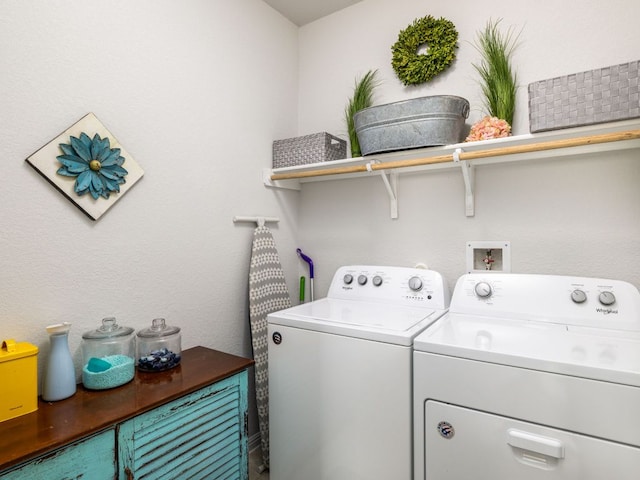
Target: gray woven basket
(317, 147)
(585, 98)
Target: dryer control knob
(415, 284)
(578, 296)
(362, 279)
(483, 289)
(377, 280)
(607, 298)
(347, 279)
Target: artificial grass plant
(362, 98)
(497, 77)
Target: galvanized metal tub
(415, 123)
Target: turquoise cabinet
(199, 436)
(91, 458)
(189, 422)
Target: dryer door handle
(548, 446)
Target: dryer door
(465, 443)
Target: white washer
(530, 377)
(340, 375)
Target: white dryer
(530, 377)
(340, 375)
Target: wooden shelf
(621, 135)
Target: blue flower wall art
(97, 166)
(88, 165)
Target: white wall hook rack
(468, 175)
(260, 221)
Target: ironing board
(267, 293)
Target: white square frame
(45, 162)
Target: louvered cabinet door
(90, 458)
(199, 436)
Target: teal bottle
(59, 376)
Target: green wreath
(439, 35)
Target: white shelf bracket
(285, 184)
(468, 175)
(391, 185)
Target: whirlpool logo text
(607, 311)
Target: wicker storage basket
(585, 98)
(317, 147)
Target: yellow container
(19, 377)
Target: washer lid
(595, 353)
(367, 320)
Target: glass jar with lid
(158, 347)
(108, 355)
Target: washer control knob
(377, 280)
(347, 279)
(483, 289)
(415, 284)
(578, 296)
(607, 298)
(362, 279)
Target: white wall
(196, 91)
(572, 216)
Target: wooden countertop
(56, 424)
